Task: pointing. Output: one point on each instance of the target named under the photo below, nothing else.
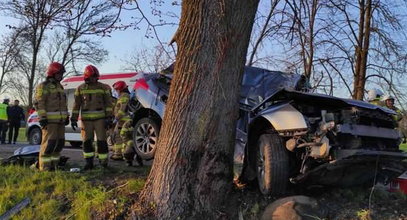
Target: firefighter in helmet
(121, 115)
(93, 101)
(388, 101)
(53, 113)
(373, 97)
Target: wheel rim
(146, 138)
(260, 167)
(36, 136)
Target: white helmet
(373, 94)
(6, 99)
(387, 97)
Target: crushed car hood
(322, 98)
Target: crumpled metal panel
(368, 131)
(316, 97)
(284, 117)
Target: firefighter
(121, 116)
(389, 103)
(374, 96)
(93, 100)
(126, 133)
(53, 113)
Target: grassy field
(403, 147)
(62, 195)
(21, 136)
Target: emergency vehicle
(33, 131)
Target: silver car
(286, 135)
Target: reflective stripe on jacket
(121, 109)
(92, 101)
(376, 101)
(51, 101)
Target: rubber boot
(103, 163)
(129, 163)
(89, 163)
(139, 160)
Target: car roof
(258, 83)
(110, 78)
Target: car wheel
(35, 136)
(76, 144)
(272, 165)
(145, 136)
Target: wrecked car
(286, 135)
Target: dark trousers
(13, 126)
(3, 131)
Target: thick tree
(192, 171)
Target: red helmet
(55, 68)
(90, 71)
(119, 85)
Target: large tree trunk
(362, 49)
(192, 171)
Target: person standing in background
(4, 119)
(15, 116)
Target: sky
(122, 44)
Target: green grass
(403, 147)
(21, 135)
(59, 195)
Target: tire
(145, 137)
(76, 144)
(272, 165)
(35, 136)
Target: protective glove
(43, 122)
(74, 124)
(67, 121)
(108, 123)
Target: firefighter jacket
(127, 131)
(93, 100)
(3, 112)
(51, 101)
(121, 109)
(399, 115)
(377, 102)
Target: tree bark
(192, 172)
(362, 49)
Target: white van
(33, 131)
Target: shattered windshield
(257, 84)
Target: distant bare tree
(36, 16)
(148, 60)
(75, 41)
(367, 40)
(264, 28)
(306, 30)
(9, 52)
